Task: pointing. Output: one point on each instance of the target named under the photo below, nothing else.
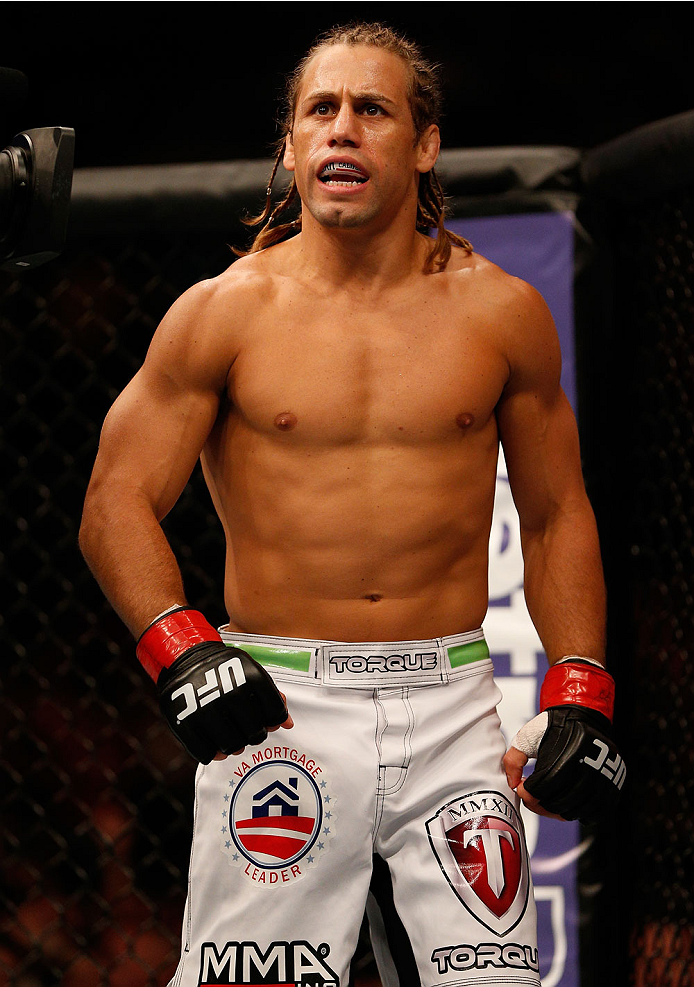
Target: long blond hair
(424, 96)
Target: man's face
(353, 148)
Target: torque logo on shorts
(483, 955)
(479, 843)
(427, 661)
(278, 818)
(294, 964)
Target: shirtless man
(347, 392)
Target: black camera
(35, 186)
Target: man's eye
(322, 109)
(373, 109)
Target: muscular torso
(353, 459)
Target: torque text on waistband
(426, 661)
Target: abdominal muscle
(354, 543)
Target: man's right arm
(150, 442)
(215, 699)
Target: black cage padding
(643, 164)
(212, 197)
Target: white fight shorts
(389, 789)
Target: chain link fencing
(655, 280)
(96, 795)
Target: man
(346, 390)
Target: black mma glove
(214, 697)
(579, 771)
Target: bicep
(543, 459)
(537, 425)
(157, 427)
(151, 440)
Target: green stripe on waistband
(458, 654)
(298, 660)
(465, 654)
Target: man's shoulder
(491, 282)
(253, 279)
(472, 264)
(244, 277)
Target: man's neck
(359, 258)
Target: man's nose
(345, 129)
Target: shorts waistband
(365, 665)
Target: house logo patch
(278, 816)
(479, 843)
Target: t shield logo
(479, 843)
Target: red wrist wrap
(577, 684)
(167, 638)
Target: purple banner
(537, 247)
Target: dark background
(149, 83)
(95, 793)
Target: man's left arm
(563, 581)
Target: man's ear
(428, 148)
(288, 158)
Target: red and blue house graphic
(276, 814)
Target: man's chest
(405, 376)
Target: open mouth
(343, 174)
